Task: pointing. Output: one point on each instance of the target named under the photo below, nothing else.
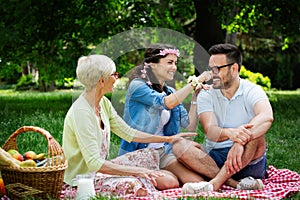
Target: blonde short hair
(92, 68)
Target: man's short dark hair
(232, 52)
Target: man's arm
(215, 133)
(263, 118)
(261, 123)
(257, 127)
(210, 126)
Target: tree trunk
(208, 32)
(231, 38)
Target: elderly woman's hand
(151, 175)
(180, 136)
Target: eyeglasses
(116, 75)
(216, 69)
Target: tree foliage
(268, 34)
(51, 35)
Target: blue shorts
(255, 169)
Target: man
(235, 115)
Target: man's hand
(233, 163)
(242, 134)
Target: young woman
(86, 136)
(154, 107)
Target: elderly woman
(86, 136)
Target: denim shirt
(143, 107)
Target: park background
(41, 42)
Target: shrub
(26, 82)
(65, 83)
(256, 78)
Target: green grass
(47, 110)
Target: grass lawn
(47, 110)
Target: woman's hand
(180, 136)
(205, 76)
(201, 86)
(151, 175)
(197, 82)
(115, 169)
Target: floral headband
(169, 51)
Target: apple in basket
(15, 154)
(2, 187)
(29, 155)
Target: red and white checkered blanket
(280, 183)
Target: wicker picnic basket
(49, 178)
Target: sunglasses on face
(216, 69)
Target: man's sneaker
(250, 183)
(195, 188)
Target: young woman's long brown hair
(151, 55)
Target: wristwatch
(194, 102)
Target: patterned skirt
(123, 186)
